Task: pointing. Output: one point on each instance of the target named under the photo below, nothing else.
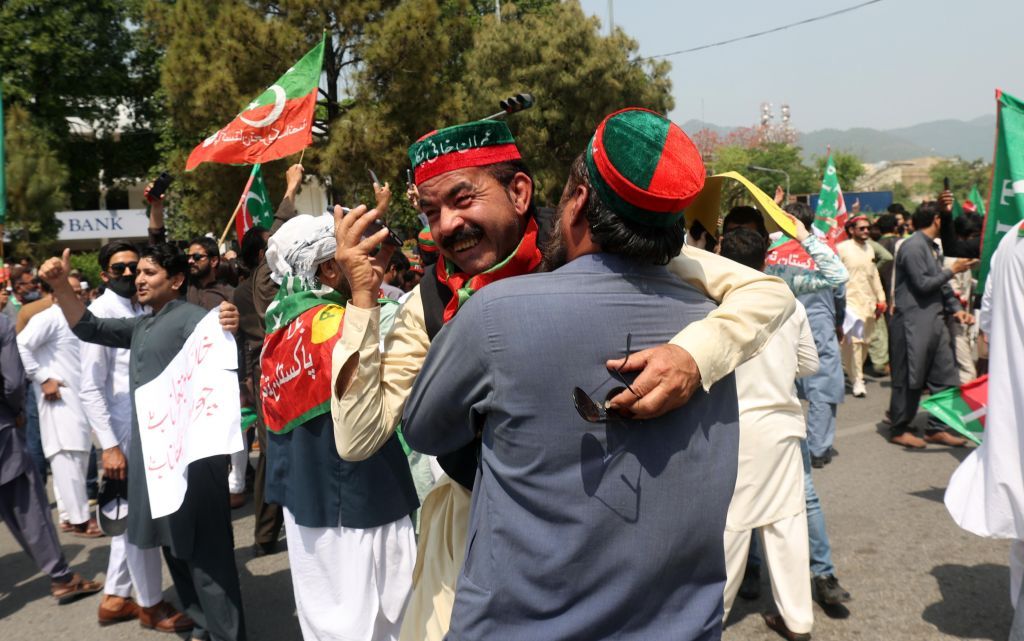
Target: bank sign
(103, 223)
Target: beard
(553, 251)
(199, 273)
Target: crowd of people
(531, 423)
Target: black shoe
(264, 549)
(827, 590)
(750, 589)
(818, 462)
(832, 452)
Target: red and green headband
(643, 167)
(473, 144)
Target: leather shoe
(907, 439)
(945, 438)
(114, 609)
(236, 500)
(827, 590)
(775, 622)
(264, 549)
(162, 617)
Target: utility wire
(762, 33)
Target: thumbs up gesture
(55, 270)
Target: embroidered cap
(643, 167)
(473, 144)
(426, 241)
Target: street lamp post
(773, 171)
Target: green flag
(831, 213)
(958, 209)
(3, 183)
(1006, 204)
(255, 207)
(979, 202)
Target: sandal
(88, 530)
(65, 526)
(74, 589)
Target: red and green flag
(1006, 200)
(831, 213)
(277, 123)
(962, 408)
(302, 329)
(254, 207)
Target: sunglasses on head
(197, 257)
(118, 269)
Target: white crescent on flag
(279, 100)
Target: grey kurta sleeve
(453, 390)
(111, 332)
(11, 369)
(919, 265)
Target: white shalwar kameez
(107, 402)
(986, 493)
(50, 351)
(769, 490)
(339, 574)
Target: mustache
(469, 232)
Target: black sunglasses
(118, 269)
(197, 257)
(593, 412)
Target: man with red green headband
(477, 195)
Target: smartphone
(377, 225)
(160, 185)
(408, 176)
(374, 178)
(945, 183)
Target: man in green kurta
(197, 539)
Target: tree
(86, 60)
(963, 175)
(774, 155)
(35, 180)
(395, 71)
(849, 168)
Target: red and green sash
(523, 260)
(302, 329)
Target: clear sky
(890, 64)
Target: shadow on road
(21, 582)
(975, 601)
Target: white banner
(189, 412)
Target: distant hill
(970, 139)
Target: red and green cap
(643, 167)
(473, 144)
(426, 241)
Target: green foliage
(394, 71)
(963, 175)
(773, 155)
(902, 194)
(35, 180)
(849, 168)
(86, 263)
(89, 60)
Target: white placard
(189, 412)
(103, 223)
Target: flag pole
(231, 221)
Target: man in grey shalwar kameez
(921, 352)
(197, 540)
(24, 506)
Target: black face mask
(123, 287)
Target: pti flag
(255, 207)
(278, 123)
(979, 202)
(831, 214)
(962, 408)
(302, 329)
(1006, 204)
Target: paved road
(914, 575)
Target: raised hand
(55, 270)
(363, 270)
